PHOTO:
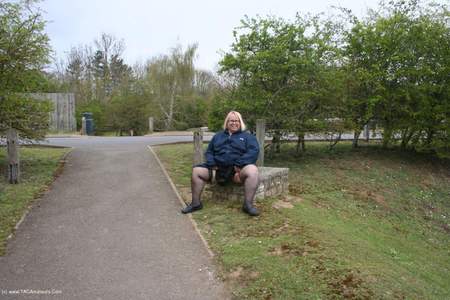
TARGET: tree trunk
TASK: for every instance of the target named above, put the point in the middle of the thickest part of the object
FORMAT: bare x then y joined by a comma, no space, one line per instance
12,140
430,136
260,136
275,146
332,144
387,136
406,137
300,142
356,138
171,107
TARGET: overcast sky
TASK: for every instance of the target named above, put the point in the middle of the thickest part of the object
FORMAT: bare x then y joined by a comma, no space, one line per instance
150,27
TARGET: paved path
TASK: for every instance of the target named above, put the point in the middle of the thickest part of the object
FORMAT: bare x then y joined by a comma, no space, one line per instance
109,228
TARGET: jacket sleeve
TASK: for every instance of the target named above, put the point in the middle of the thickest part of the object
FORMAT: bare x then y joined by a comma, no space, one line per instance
209,154
251,154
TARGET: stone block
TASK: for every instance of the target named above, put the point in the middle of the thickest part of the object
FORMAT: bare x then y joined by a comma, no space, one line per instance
272,182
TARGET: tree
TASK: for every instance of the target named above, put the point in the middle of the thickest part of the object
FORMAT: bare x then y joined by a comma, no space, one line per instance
107,66
128,112
170,81
77,74
281,71
398,66
97,74
362,87
24,51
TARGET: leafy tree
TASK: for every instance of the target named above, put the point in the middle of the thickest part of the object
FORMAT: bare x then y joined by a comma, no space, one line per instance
97,75
24,51
362,87
128,112
281,71
398,66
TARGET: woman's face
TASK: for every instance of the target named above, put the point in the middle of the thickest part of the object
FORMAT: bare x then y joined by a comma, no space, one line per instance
233,124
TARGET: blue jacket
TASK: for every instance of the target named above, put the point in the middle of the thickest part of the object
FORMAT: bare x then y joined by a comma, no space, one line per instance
239,149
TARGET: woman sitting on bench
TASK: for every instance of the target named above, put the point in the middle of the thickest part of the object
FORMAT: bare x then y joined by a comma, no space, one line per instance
231,155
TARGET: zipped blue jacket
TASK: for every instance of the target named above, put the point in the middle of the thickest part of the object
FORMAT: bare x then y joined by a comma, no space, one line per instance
238,149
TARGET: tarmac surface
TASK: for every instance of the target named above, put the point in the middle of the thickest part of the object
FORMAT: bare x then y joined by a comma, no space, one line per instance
110,227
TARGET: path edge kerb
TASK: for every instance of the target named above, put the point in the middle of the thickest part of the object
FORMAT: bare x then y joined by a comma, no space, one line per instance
194,224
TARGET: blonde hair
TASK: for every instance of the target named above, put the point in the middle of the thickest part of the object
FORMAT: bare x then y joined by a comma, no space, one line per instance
238,115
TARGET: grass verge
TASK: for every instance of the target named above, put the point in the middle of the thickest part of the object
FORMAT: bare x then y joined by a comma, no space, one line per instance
361,224
38,169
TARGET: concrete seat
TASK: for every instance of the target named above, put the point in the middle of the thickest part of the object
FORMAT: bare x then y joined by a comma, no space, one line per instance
272,182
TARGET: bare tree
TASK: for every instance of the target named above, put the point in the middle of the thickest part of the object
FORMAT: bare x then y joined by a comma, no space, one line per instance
170,78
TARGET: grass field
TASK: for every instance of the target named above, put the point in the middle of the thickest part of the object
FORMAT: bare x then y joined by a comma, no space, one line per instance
38,167
358,224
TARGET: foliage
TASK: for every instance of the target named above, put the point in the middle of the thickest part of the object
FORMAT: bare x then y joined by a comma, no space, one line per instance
30,117
285,72
24,50
313,74
128,113
98,111
168,87
398,68
170,79
389,69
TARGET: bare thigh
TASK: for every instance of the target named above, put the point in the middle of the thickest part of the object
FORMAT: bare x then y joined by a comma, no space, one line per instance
249,171
200,172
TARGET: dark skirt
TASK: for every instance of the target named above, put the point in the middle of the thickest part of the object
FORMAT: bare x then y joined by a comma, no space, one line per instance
223,175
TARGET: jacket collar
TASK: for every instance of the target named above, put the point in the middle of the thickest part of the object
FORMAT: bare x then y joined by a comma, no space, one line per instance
227,132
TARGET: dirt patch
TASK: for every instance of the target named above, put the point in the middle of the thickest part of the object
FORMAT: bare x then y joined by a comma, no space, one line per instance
313,243
369,196
296,188
379,199
427,182
288,250
283,228
286,229
446,228
294,199
350,285
321,204
235,274
287,202
282,204
241,274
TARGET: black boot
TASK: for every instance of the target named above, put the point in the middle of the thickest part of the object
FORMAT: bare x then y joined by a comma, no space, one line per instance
249,209
190,208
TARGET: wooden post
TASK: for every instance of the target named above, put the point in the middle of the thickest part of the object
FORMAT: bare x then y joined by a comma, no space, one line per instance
150,124
83,126
12,141
260,136
198,147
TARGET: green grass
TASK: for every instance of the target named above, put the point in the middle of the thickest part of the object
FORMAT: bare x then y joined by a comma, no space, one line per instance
38,167
366,224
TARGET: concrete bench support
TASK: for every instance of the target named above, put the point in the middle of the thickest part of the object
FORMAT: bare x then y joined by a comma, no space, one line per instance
272,182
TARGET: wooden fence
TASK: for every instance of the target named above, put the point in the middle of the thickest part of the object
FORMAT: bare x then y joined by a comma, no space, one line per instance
63,116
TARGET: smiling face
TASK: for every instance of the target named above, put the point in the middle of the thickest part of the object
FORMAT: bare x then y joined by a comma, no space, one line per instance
233,123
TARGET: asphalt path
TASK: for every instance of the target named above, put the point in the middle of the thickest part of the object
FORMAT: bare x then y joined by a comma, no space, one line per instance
110,227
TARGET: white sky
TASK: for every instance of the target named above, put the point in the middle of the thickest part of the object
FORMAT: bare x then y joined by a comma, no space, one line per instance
152,27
